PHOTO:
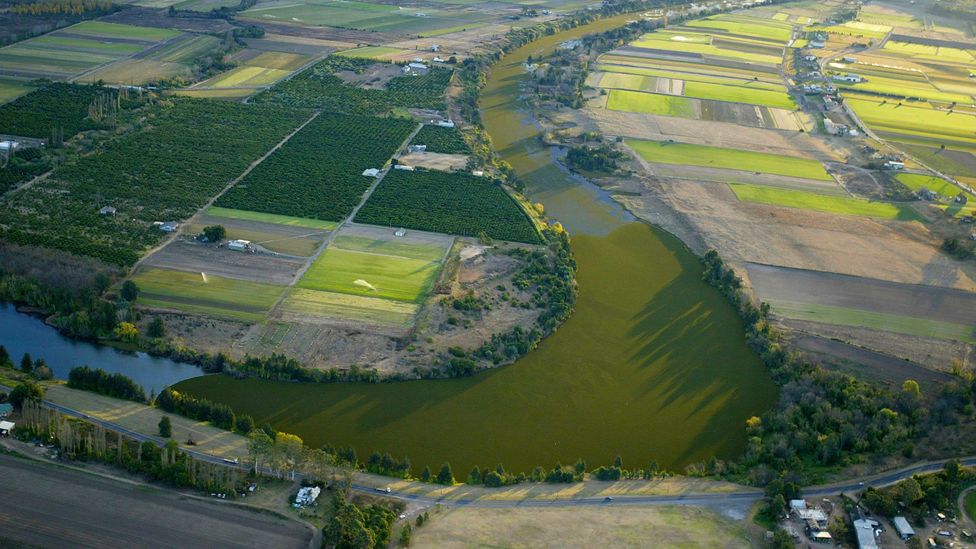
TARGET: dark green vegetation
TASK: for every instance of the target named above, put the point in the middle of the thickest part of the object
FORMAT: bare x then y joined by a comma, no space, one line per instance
318,173
319,87
921,496
183,155
451,203
441,140
220,415
593,159
101,382
23,165
671,398
362,526
57,108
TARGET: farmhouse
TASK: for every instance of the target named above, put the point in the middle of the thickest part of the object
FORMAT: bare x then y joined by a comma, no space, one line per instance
6,427
307,496
167,226
445,123
7,146
904,529
894,165
416,148
850,78
864,529
403,167
400,232
239,244
107,210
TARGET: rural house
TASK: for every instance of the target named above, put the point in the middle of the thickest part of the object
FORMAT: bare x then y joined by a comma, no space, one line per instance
107,210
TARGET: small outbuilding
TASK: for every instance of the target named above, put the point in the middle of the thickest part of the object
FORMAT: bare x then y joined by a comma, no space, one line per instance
107,210
371,172
400,232
904,529
239,244
404,167
6,427
169,226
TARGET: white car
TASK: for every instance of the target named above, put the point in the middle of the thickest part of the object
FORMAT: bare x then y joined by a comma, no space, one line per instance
384,490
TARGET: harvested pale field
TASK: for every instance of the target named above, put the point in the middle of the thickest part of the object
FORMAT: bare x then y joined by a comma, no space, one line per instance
435,161
321,344
745,232
192,257
611,526
283,239
320,307
715,175
720,134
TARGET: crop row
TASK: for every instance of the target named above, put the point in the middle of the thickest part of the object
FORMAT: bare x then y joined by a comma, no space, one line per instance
318,173
319,88
441,140
451,203
58,106
185,153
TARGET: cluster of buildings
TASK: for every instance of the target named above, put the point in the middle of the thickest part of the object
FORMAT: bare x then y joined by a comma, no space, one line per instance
814,520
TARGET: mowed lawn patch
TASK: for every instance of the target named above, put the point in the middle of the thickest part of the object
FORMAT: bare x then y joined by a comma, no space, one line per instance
844,316
651,103
790,198
730,159
310,303
371,275
217,296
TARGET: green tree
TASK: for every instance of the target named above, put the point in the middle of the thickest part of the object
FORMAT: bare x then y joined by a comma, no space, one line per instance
259,446
782,540
405,536
129,291
445,476
165,427
245,424
156,328
5,361
580,467
618,462
214,233
126,331
475,476
26,364
27,390
425,474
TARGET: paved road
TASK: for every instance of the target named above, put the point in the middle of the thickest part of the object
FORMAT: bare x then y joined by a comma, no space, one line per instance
747,496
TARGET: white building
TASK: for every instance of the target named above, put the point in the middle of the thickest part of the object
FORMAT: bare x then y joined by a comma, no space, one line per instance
904,529
371,172
239,244
6,427
866,538
403,167
307,496
445,123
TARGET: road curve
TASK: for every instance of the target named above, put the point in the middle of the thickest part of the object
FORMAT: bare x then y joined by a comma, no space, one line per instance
690,498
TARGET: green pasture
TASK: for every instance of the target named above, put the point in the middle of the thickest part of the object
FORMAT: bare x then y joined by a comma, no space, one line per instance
271,218
137,71
393,277
217,93
740,94
362,16
411,250
913,118
940,54
218,297
754,72
183,51
769,30
730,159
688,73
970,504
905,88
627,81
116,30
71,43
370,52
449,30
843,316
790,198
246,76
24,56
11,89
917,182
300,245
279,60
664,42
856,28
652,103
310,303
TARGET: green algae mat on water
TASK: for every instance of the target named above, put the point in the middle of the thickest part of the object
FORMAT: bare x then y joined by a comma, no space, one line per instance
652,366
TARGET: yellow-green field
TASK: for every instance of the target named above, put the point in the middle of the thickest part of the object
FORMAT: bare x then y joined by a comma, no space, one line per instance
917,182
730,159
371,274
914,119
219,297
271,218
11,89
246,76
791,198
652,103
217,93
279,60
312,303
371,52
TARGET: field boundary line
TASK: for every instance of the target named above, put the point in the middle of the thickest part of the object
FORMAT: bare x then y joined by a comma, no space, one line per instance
166,241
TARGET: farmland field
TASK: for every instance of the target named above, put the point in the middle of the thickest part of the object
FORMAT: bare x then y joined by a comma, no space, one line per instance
732,159
11,89
921,327
917,182
411,250
271,218
174,60
914,120
441,140
739,94
391,277
245,76
210,142
370,52
364,16
308,304
652,103
289,237
219,296
449,203
102,29
822,203
318,173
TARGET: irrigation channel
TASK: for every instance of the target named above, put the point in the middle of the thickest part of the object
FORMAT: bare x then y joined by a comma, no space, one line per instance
652,366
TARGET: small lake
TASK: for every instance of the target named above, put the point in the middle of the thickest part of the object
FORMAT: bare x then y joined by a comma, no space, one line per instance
22,333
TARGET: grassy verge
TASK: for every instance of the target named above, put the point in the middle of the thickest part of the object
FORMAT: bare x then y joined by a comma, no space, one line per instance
970,504
790,198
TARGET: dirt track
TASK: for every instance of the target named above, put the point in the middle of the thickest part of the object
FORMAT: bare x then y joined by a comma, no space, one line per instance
53,507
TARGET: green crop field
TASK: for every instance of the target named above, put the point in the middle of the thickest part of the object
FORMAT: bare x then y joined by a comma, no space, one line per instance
311,303
917,182
970,504
82,44
652,103
11,89
909,86
245,76
271,218
730,159
279,60
770,30
379,275
410,250
449,203
822,203
844,316
665,42
740,94
115,30
914,119
217,93
857,28
624,81
217,296
371,52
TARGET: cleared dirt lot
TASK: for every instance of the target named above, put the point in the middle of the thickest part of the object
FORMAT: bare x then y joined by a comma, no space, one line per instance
435,161
191,257
102,513
583,527
944,304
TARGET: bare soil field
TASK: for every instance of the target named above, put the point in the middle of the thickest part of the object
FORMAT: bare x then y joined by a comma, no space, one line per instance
284,239
187,256
375,77
348,36
103,513
150,17
324,343
719,175
435,161
269,43
719,134
584,527
773,283
209,335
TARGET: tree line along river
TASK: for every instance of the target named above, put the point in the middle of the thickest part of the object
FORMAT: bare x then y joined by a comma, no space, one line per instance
652,366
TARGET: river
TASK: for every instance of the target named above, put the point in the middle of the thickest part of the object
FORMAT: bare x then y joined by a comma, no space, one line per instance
21,333
652,366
